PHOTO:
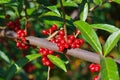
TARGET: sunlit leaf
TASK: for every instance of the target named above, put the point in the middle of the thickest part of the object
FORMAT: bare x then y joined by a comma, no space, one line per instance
58,62
98,2
109,70
54,9
111,42
83,15
4,56
19,64
106,27
89,34
4,1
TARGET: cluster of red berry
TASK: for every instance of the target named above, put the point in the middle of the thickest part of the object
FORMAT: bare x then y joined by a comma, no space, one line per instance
14,25
21,43
94,68
45,60
60,39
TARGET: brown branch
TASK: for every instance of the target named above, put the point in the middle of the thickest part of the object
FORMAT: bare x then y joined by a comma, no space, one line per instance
78,53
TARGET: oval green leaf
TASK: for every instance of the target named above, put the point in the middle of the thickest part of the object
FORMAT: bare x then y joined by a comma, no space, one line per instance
4,56
106,27
83,15
89,34
111,42
4,1
98,2
109,70
58,62
54,9
19,64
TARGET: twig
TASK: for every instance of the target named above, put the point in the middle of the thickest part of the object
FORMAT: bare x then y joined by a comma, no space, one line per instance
64,20
52,35
48,74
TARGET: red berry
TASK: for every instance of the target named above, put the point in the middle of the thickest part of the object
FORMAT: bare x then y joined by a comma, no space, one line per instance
41,50
50,52
54,27
71,37
45,32
61,32
10,24
44,59
96,77
50,30
81,41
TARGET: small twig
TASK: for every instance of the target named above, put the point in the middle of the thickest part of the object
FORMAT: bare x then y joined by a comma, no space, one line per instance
26,19
52,35
48,74
64,20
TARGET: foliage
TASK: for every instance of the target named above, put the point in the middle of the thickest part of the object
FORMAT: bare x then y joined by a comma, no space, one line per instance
98,21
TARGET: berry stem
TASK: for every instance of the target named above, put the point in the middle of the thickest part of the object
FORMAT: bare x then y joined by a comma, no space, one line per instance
48,74
64,20
52,35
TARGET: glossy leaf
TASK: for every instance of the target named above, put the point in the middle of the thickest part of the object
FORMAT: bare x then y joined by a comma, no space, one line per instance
4,57
19,64
58,62
54,9
106,27
68,4
89,34
98,2
83,15
109,70
4,1
111,42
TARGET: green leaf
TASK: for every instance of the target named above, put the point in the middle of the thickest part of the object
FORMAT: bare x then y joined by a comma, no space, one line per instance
68,4
4,1
54,9
106,27
83,15
4,57
89,34
117,1
19,64
111,42
58,62
98,2
109,70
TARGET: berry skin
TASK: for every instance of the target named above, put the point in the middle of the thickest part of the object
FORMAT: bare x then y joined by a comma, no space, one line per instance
61,32
94,67
95,77
45,32
21,33
78,31
54,27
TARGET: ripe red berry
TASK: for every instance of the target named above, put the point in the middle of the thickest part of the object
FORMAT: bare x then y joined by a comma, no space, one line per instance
61,32
45,32
50,30
94,67
54,27
95,77
21,33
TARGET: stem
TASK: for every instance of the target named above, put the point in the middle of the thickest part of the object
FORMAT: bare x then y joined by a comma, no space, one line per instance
26,19
52,35
64,20
48,74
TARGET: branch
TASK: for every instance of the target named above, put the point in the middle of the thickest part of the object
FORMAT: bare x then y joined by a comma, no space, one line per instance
78,53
